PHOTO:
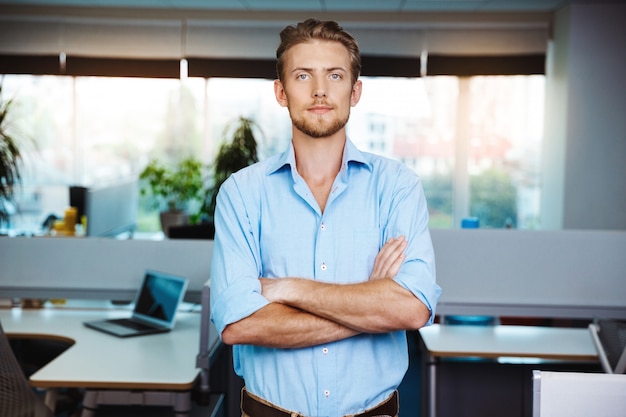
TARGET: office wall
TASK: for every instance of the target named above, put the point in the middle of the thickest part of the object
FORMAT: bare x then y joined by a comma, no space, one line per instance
585,141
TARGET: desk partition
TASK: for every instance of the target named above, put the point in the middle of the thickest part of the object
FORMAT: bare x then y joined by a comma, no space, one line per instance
573,274
97,268
566,273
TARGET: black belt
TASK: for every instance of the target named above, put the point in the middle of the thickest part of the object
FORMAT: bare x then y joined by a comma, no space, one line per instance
254,408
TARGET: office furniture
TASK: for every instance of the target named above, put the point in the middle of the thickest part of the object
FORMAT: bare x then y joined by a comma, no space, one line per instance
203,362
574,274
497,342
97,268
482,272
112,210
216,369
576,394
153,370
609,338
17,398
109,210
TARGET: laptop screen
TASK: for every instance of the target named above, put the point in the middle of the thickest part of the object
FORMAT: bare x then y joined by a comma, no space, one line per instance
159,297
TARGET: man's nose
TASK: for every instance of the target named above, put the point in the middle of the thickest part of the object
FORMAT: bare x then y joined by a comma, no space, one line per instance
319,90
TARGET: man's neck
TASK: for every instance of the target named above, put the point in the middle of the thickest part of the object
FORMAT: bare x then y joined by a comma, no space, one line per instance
318,161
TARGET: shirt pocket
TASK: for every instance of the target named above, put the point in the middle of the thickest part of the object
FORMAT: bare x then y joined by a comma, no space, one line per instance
365,247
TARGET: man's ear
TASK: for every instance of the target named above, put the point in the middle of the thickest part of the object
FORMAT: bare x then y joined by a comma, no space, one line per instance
279,92
357,88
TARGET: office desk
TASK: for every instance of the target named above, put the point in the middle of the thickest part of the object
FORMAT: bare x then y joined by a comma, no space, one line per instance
495,342
160,369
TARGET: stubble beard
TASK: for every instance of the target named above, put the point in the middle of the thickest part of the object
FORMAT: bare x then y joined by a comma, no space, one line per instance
321,129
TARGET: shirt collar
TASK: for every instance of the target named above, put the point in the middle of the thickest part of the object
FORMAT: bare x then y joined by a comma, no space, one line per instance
351,154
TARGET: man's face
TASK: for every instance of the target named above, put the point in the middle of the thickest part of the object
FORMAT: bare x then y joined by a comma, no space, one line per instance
317,87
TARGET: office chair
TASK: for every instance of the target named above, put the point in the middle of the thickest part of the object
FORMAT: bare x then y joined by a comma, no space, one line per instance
203,359
17,398
609,338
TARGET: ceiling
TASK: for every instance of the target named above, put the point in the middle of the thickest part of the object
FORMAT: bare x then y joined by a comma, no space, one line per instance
360,6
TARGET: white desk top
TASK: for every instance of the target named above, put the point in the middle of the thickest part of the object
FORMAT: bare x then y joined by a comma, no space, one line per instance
165,361
509,341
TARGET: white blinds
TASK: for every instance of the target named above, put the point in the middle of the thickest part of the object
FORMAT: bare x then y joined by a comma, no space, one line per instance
133,37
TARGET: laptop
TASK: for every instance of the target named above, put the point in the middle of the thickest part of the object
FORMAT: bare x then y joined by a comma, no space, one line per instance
154,310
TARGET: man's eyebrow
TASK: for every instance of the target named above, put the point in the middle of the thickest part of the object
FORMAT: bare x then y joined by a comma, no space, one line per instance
331,69
301,69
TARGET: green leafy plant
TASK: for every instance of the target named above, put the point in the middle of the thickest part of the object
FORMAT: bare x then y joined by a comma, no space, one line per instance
173,187
234,154
11,159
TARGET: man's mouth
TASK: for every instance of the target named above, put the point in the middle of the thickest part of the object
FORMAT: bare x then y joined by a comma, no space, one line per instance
320,109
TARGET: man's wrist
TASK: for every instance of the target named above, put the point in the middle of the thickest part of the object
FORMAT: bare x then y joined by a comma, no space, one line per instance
291,288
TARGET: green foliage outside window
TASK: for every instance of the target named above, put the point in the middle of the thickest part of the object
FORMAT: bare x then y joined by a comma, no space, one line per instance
493,199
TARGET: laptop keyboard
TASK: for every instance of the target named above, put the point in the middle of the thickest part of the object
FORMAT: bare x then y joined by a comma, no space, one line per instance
132,324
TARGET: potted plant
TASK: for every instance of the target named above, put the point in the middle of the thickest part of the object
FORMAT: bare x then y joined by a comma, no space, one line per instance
10,161
237,152
173,189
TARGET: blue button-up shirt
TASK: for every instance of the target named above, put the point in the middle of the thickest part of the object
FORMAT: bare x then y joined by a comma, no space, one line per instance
268,224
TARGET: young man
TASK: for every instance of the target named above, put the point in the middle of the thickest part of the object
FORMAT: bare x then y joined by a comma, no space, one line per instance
322,255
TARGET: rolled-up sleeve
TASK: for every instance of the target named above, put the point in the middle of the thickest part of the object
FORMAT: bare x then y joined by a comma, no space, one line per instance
409,217
235,266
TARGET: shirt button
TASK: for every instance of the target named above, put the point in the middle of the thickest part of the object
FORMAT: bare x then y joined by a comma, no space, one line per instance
323,267
326,393
325,350
323,226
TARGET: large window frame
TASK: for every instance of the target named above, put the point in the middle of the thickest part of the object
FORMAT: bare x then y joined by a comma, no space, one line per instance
462,66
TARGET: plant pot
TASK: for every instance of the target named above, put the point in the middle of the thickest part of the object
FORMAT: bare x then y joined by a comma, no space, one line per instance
172,218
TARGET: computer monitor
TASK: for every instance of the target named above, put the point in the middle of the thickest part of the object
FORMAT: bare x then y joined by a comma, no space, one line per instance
112,210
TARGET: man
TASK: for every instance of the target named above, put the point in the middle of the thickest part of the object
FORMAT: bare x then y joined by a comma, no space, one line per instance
322,256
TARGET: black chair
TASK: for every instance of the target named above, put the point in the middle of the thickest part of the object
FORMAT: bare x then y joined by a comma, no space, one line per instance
609,338
17,398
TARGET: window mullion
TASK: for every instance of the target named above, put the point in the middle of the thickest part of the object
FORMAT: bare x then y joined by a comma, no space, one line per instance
461,196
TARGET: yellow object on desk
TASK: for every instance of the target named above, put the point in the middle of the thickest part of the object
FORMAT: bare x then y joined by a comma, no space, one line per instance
67,226
71,216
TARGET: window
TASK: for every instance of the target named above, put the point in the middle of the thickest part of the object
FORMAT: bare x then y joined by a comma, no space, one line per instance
474,141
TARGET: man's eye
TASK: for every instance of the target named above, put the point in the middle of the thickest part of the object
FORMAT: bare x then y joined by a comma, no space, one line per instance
302,76
335,76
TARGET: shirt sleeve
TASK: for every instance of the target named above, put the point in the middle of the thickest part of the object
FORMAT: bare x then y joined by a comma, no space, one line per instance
408,216
235,265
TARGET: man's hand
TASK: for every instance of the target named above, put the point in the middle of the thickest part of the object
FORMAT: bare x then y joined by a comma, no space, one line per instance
389,259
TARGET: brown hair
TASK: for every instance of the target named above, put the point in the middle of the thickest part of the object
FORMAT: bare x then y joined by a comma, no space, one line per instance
322,30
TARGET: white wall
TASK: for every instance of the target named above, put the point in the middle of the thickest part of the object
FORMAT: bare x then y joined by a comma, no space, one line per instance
585,143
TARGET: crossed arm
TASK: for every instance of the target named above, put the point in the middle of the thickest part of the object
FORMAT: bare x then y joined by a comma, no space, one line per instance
304,312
